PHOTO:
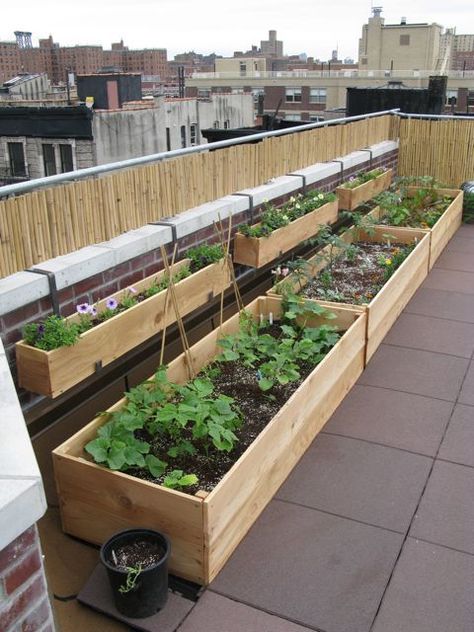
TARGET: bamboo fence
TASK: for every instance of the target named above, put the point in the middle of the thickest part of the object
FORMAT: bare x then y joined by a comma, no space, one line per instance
50,222
442,148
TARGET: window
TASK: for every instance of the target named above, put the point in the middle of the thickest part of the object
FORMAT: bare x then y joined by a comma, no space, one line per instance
16,156
315,119
243,68
168,139
256,92
193,134
293,95
404,40
227,124
317,95
292,117
216,125
65,154
204,93
49,160
451,97
183,136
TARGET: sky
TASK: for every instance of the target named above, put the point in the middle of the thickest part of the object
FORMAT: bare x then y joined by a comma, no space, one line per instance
205,26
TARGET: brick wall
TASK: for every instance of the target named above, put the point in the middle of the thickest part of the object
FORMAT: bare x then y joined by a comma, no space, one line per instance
121,276
24,602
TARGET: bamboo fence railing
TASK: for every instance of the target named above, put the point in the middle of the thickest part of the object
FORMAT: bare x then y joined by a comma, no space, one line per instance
49,222
442,148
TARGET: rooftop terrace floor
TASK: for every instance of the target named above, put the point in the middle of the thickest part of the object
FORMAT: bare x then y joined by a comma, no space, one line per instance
373,530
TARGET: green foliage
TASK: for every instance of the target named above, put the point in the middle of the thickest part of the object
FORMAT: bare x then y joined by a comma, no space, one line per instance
362,178
394,261
177,479
55,332
468,208
421,210
273,218
51,333
187,419
277,359
162,422
133,572
203,255
331,245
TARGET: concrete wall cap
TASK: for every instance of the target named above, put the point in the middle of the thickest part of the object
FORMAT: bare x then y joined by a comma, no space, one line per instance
205,215
79,265
14,289
22,499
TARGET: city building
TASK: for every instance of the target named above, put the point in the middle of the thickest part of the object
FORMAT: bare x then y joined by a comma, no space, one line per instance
43,141
398,46
26,87
58,61
272,47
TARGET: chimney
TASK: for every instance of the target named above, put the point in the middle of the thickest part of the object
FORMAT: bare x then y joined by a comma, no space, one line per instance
403,20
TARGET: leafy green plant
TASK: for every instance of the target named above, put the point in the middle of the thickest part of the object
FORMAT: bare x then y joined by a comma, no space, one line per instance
421,210
362,178
203,255
273,218
331,245
177,479
468,208
133,573
277,359
183,420
51,333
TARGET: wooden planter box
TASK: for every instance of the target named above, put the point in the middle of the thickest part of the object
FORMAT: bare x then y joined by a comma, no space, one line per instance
386,306
258,251
205,528
53,372
349,199
445,227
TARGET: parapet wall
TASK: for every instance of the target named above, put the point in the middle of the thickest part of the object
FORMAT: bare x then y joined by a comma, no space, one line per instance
94,272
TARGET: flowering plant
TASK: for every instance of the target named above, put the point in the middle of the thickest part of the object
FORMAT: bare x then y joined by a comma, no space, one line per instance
362,178
274,218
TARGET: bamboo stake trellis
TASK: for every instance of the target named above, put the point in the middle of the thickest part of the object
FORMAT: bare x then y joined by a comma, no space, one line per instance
41,225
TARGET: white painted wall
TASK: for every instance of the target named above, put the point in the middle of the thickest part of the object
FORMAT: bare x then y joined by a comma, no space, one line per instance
123,134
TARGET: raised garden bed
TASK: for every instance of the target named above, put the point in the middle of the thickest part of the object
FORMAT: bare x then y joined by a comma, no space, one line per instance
444,228
52,372
258,251
384,308
205,528
351,198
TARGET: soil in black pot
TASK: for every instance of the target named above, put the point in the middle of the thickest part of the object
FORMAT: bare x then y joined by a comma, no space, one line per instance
141,553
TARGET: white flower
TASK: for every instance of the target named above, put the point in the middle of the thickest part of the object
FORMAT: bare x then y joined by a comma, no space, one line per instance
320,196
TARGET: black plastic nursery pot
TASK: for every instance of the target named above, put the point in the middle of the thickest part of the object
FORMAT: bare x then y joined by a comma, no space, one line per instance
141,590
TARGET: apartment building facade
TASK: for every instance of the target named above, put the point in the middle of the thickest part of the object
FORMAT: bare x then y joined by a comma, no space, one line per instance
400,46
57,61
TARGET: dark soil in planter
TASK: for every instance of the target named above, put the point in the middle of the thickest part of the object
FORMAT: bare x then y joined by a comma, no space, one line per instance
139,552
257,407
354,280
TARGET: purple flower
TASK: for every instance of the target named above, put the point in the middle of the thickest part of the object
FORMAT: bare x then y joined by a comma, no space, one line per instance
41,329
111,303
83,308
93,311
